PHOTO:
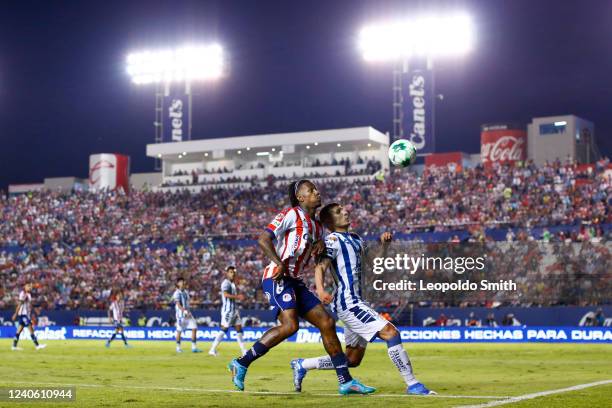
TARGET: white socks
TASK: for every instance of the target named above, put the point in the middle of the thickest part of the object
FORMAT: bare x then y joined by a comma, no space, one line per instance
318,363
217,340
240,342
400,359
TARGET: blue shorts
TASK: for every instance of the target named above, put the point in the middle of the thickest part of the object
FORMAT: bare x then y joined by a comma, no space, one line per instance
23,320
289,293
117,324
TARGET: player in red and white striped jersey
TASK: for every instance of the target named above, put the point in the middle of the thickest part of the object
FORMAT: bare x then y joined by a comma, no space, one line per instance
298,236
115,315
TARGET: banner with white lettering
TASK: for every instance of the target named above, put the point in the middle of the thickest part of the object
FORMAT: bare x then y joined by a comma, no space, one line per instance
312,335
176,116
418,109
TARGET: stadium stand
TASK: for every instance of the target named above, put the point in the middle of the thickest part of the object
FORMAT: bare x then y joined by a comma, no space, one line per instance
70,244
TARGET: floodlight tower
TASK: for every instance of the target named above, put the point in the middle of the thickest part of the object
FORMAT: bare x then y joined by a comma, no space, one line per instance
427,37
183,65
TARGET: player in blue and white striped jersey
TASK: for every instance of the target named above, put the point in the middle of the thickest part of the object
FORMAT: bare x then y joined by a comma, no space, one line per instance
362,324
184,318
229,311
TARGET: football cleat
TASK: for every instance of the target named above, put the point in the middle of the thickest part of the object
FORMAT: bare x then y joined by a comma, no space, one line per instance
107,344
178,350
127,345
419,389
355,387
238,373
16,348
41,346
213,353
299,373
196,350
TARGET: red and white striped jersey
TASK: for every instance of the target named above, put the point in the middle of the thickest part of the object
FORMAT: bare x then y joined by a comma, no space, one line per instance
25,300
294,232
117,307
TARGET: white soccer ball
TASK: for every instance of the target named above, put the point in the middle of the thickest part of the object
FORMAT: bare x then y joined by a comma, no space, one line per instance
402,153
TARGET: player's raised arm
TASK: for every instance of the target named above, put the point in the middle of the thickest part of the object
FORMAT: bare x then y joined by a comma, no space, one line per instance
320,269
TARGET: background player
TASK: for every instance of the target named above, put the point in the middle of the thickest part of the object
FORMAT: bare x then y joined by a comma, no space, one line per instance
184,318
362,324
22,315
297,233
229,311
115,315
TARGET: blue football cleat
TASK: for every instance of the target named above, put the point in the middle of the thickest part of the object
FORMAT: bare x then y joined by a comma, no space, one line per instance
419,389
127,345
238,373
196,350
355,387
107,344
299,373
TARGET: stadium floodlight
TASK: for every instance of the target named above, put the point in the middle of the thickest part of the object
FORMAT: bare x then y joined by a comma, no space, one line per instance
183,64
427,36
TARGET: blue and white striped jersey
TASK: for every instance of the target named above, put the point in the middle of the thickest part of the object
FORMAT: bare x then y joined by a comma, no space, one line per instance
180,297
228,305
345,250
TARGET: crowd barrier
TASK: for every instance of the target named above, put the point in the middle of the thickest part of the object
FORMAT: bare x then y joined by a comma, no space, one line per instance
418,317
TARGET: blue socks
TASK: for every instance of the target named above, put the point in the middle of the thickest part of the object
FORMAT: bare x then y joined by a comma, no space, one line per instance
341,366
258,350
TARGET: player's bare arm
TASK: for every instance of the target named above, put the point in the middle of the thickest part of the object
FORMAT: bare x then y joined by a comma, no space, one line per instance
238,296
267,246
320,270
317,248
19,303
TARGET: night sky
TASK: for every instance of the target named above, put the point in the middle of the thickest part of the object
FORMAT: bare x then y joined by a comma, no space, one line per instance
294,66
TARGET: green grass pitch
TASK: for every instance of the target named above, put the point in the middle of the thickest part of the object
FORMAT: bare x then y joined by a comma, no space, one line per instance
151,374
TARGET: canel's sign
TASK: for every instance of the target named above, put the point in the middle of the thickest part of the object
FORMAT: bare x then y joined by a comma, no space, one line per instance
418,108
176,116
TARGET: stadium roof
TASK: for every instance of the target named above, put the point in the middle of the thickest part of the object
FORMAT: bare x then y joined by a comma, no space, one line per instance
327,141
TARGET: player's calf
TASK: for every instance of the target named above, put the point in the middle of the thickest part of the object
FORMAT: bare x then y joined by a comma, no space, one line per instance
399,358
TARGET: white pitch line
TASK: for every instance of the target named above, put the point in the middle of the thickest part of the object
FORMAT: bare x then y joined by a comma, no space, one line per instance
519,398
213,391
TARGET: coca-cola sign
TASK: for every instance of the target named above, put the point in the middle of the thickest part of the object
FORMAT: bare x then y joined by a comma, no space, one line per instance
503,146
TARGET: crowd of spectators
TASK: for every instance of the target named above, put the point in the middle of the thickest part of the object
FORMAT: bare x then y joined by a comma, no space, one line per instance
69,278
75,247
371,167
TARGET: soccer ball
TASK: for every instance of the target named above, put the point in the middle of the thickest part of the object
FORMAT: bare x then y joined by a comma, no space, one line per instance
402,153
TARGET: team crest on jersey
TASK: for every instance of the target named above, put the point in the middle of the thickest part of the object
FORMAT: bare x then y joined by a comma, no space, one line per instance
287,297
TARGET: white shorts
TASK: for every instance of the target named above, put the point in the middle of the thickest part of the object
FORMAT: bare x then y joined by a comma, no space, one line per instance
186,323
361,324
231,318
